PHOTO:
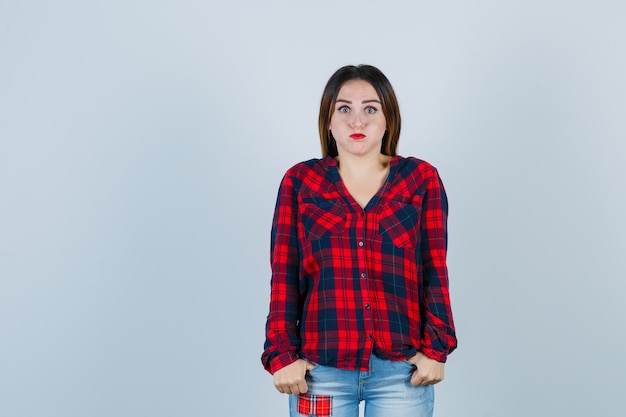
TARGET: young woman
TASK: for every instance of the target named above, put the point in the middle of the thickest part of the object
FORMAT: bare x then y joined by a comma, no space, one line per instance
359,307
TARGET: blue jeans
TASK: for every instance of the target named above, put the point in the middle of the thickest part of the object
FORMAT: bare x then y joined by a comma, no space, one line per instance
386,390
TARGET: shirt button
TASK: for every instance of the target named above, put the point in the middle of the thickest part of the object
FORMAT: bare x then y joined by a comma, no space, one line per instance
361,243
369,336
363,275
367,306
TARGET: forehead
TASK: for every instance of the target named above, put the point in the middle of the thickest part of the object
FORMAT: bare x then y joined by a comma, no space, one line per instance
357,89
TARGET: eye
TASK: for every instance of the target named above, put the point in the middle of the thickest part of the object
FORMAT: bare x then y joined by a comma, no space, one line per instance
370,110
343,109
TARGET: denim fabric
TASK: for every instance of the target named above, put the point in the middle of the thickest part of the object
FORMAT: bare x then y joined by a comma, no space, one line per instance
386,390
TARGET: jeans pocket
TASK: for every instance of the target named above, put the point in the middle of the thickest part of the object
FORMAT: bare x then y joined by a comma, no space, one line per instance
315,365
408,362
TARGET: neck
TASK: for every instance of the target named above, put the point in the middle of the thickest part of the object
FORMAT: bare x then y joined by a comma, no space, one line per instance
359,166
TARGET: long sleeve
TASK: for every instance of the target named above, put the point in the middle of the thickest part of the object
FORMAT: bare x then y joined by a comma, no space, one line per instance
438,337
282,328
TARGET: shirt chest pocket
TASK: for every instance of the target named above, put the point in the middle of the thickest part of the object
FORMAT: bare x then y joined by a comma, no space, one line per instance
400,223
321,217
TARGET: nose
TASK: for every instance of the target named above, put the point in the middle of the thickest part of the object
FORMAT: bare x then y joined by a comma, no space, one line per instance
356,121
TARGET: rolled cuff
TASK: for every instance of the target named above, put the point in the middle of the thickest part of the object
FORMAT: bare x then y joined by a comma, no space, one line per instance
280,361
434,354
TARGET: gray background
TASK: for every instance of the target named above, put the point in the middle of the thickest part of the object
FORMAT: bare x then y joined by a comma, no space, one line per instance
141,147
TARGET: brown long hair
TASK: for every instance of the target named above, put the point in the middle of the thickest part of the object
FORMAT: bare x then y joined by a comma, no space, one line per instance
385,92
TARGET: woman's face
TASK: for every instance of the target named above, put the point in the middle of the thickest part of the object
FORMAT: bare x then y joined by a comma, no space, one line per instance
358,123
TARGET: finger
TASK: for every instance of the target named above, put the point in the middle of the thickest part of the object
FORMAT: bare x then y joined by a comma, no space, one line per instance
422,379
285,388
297,389
416,378
302,387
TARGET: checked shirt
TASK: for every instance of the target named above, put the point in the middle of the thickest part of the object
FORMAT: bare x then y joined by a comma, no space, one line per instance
347,281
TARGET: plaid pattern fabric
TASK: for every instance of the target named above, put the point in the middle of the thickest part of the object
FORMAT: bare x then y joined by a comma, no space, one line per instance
315,405
347,280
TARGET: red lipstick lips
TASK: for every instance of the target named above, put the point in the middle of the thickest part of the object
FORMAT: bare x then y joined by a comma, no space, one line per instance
357,136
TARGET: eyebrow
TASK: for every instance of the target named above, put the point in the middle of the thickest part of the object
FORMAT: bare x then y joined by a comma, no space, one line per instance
363,102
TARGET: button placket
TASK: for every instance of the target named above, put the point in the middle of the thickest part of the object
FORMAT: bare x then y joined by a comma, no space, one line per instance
362,234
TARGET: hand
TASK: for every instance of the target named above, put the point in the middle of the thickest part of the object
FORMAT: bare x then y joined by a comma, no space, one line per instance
290,379
428,371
